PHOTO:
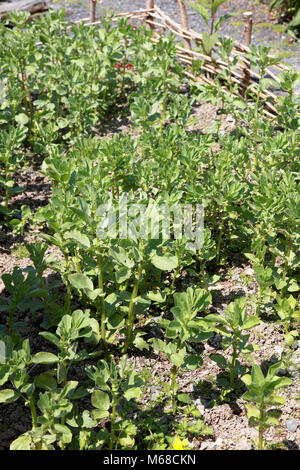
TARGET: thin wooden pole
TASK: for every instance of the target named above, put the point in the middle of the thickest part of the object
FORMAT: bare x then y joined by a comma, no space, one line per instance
248,20
93,10
184,21
149,6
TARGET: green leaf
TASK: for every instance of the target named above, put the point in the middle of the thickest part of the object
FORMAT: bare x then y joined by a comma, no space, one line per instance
100,400
8,396
44,358
165,263
81,281
4,374
250,322
22,119
21,443
209,41
184,398
257,376
193,362
133,392
178,358
50,337
159,345
122,275
78,237
63,433
140,343
296,19
200,9
220,360
45,381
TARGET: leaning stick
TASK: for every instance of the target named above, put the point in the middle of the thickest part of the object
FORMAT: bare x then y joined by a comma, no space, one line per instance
184,20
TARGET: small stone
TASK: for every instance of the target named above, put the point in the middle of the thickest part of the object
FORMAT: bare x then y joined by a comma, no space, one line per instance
156,391
292,425
274,359
295,344
278,350
236,277
243,444
200,406
282,372
219,442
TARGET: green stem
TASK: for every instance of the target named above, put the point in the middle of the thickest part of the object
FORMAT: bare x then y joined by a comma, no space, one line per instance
112,430
6,187
67,306
172,284
219,241
286,265
163,112
131,315
232,365
174,374
261,429
33,413
101,305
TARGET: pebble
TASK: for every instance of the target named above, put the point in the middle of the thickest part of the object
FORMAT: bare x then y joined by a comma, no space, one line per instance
156,391
282,372
243,444
200,407
273,359
292,425
278,350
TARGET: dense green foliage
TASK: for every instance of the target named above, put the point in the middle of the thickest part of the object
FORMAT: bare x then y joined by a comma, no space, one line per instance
61,88
290,8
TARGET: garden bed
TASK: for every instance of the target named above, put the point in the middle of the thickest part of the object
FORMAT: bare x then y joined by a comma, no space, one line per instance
84,129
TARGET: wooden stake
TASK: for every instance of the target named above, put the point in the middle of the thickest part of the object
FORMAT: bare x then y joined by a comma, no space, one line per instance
149,6
93,10
184,20
248,18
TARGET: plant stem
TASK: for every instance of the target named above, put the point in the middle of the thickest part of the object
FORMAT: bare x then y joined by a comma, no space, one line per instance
163,111
232,365
174,374
172,284
131,317
112,430
67,306
261,429
33,413
286,264
219,241
101,305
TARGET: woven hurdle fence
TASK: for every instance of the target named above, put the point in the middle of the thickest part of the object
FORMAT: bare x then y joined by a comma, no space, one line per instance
189,40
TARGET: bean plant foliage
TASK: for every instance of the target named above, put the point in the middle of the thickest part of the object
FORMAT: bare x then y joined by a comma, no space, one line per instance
69,340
